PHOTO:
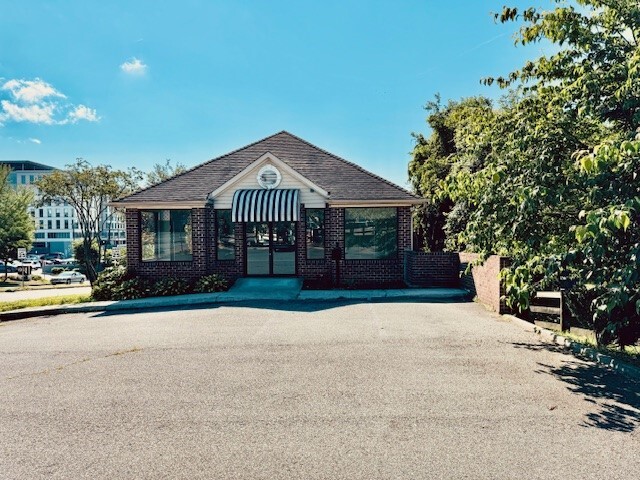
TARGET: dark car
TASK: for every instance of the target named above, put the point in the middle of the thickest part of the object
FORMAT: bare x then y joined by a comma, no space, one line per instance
7,269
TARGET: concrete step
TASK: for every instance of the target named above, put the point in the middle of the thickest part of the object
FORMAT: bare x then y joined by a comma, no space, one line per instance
267,287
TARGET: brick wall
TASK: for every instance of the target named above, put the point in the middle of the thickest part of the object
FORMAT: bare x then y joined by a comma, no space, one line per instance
484,280
375,272
195,268
432,269
353,272
229,269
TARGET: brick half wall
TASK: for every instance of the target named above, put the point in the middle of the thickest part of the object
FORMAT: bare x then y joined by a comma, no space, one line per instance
432,269
484,279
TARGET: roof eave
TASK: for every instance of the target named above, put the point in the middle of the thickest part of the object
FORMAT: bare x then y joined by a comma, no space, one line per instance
155,205
376,203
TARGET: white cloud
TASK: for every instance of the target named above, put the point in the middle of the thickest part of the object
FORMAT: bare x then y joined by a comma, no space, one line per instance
36,101
31,91
28,113
82,112
134,67
35,140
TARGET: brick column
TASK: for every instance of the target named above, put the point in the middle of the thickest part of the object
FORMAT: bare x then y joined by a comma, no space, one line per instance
132,219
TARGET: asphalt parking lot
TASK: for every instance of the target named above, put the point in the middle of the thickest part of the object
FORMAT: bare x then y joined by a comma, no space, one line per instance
307,390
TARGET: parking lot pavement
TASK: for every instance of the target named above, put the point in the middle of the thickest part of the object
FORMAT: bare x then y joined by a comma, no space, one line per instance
307,390
85,289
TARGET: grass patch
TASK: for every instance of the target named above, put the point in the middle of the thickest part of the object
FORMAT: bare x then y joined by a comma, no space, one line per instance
43,302
630,354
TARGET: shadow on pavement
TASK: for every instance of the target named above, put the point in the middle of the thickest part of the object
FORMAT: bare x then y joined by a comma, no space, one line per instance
616,396
280,305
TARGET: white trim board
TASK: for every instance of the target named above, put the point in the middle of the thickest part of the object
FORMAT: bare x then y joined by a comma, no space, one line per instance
268,158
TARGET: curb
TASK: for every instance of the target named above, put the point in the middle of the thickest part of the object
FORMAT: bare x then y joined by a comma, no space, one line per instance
579,348
204,299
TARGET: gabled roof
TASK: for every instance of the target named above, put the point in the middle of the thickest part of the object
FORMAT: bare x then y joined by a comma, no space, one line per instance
345,181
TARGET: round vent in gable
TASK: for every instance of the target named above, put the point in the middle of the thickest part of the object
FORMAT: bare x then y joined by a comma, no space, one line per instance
269,177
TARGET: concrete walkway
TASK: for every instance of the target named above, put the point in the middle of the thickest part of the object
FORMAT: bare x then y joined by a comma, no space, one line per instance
243,294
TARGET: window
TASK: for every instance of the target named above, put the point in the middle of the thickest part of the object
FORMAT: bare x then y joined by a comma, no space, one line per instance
41,224
66,212
49,224
58,235
41,212
315,233
66,224
39,235
57,213
166,235
370,233
226,241
58,224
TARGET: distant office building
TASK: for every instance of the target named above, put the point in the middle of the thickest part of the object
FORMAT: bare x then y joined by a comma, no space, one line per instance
56,223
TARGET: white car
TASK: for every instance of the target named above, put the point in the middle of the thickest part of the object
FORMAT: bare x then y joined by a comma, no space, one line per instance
34,264
66,261
68,278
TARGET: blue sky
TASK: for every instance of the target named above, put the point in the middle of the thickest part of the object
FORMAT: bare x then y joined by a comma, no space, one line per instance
132,83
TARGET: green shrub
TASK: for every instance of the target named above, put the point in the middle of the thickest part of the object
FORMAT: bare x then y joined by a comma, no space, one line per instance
169,286
57,270
115,283
36,277
132,289
210,283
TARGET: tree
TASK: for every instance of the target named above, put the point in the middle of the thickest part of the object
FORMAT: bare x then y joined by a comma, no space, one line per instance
595,75
161,172
559,191
16,225
595,72
455,144
89,190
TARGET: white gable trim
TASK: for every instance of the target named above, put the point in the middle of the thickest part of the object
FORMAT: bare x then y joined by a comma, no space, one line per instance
268,158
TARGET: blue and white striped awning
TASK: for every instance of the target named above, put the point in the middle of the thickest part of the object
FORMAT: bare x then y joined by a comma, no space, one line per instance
261,205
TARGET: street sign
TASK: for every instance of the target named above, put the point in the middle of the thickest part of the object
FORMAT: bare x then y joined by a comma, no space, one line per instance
22,253
115,252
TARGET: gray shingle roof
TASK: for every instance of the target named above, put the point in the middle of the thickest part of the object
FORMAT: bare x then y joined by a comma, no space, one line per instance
344,180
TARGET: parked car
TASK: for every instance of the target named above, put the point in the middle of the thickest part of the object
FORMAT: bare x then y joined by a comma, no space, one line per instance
34,264
65,261
69,278
54,256
7,269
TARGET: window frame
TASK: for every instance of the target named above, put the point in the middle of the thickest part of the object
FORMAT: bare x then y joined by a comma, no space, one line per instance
171,232
324,234
217,235
391,258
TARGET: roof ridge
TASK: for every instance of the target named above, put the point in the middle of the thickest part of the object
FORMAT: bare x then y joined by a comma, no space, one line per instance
203,164
388,182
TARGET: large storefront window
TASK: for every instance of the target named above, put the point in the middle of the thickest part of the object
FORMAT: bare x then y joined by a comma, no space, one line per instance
166,235
370,233
315,233
226,238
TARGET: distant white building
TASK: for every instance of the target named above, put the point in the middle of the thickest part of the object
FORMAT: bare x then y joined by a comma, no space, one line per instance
56,223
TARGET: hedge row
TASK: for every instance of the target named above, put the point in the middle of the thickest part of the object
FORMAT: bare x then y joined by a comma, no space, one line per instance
115,283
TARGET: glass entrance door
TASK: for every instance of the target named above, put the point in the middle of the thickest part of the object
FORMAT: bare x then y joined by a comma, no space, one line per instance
271,248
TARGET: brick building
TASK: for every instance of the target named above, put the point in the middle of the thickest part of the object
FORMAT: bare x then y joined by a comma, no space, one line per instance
277,207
